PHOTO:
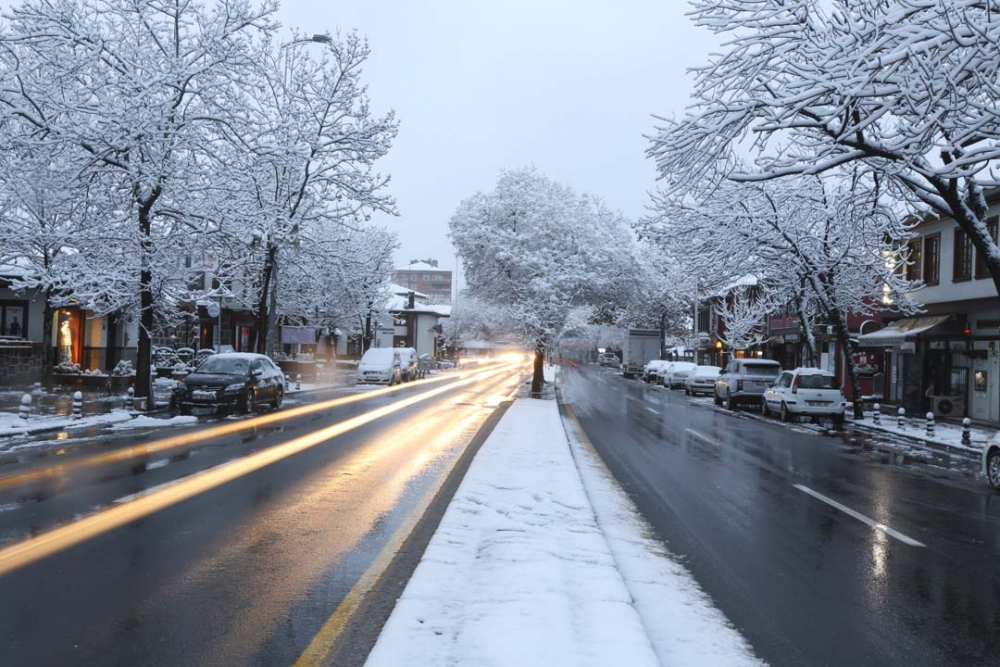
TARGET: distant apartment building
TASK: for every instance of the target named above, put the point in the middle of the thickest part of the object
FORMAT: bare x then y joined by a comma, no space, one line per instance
425,276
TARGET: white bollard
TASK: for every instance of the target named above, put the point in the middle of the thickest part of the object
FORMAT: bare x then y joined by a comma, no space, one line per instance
930,424
77,405
877,414
901,418
25,409
966,431
130,399
288,381
36,389
298,382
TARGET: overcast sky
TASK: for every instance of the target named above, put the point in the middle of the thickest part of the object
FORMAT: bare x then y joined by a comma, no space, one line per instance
567,86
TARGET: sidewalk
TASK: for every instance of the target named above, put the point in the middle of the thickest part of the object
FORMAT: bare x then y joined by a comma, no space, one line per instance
541,559
946,435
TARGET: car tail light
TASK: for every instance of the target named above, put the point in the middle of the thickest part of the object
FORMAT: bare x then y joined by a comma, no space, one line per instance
739,385
795,385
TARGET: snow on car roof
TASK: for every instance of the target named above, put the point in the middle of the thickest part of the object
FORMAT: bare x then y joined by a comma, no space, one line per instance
811,371
239,355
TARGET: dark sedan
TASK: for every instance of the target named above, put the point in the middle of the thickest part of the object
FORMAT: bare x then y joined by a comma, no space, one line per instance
232,380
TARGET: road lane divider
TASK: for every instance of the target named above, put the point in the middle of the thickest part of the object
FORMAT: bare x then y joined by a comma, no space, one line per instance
64,537
185,439
881,527
703,438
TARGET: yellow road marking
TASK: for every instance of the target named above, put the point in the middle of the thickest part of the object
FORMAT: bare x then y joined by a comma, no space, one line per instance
321,645
64,537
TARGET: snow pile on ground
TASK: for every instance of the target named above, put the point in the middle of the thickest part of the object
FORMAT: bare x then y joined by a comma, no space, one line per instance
152,422
520,571
949,435
12,424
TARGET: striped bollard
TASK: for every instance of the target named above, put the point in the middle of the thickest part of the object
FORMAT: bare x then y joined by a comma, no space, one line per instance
24,410
930,424
77,405
298,382
877,414
966,431
288,381
36,389
901,418
130,399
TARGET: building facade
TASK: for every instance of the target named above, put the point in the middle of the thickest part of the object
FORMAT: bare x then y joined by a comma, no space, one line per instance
947,360
426,277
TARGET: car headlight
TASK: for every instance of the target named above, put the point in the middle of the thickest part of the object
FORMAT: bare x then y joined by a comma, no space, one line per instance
235,387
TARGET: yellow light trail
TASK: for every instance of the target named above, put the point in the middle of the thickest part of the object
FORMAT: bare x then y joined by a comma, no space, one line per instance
64,537
174,442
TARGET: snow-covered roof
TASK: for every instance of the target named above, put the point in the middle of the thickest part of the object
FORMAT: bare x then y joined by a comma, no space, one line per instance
745,281
403,291
17,268
420,266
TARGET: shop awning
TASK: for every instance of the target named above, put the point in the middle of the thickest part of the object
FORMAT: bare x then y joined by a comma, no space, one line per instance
900,331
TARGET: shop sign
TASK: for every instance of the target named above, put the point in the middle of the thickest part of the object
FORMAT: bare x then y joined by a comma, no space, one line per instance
908,346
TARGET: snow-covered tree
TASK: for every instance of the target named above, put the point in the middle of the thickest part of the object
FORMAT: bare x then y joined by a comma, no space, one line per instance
308,175
744,310
823,249
134,94
906,89
539,249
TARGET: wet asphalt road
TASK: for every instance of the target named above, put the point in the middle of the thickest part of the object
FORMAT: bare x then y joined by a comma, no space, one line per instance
245,573
806,583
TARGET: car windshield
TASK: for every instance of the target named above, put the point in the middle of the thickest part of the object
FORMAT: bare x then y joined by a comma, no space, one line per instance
767,370
225,365
817,382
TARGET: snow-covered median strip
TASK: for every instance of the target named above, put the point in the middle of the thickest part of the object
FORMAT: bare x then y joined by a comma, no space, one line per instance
12,424
534,565
143,421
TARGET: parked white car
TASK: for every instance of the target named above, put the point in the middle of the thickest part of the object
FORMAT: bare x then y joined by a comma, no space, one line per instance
653,370
991,461
744,381
676,373
805,392
701,380
380,365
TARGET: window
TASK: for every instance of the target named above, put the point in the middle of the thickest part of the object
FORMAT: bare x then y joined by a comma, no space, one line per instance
14,319
962,261
981,270
914,259
932,259
427,277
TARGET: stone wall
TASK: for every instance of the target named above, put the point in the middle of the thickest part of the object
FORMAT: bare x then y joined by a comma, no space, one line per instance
20,364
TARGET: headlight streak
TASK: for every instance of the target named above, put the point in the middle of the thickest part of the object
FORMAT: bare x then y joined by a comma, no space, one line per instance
64,537
228,428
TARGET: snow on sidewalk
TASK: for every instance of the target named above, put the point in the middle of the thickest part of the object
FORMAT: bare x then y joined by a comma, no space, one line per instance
945,434
521,571
12,424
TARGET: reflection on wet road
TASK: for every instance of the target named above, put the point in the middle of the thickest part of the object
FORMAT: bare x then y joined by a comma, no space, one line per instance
821,549
241,572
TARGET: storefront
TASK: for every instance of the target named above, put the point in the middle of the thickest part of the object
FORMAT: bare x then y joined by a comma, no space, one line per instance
69,335
929,362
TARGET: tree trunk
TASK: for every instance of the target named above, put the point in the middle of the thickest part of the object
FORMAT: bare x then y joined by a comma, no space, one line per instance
850,349
366,342
263,301
143,355
663,335
538,378
48,359
808,336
